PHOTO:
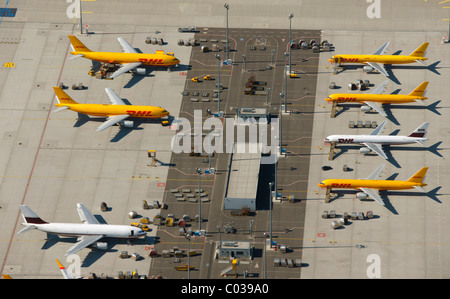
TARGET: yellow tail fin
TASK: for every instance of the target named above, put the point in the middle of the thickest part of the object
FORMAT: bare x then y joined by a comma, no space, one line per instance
419,176
419,90
77,45
420,51
63,98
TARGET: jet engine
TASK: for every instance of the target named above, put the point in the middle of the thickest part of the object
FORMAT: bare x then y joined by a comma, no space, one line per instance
364,150
367,69
139,71
99,245
365,108
127,123
361,195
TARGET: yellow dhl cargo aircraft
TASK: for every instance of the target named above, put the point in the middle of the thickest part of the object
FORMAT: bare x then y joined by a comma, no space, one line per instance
371,184
375,98
378,58
129,60
115,113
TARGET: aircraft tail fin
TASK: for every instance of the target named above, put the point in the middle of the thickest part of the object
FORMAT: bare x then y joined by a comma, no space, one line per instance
419,176
66,274
77,45
30,217
421,131
420,51
419,91
62,97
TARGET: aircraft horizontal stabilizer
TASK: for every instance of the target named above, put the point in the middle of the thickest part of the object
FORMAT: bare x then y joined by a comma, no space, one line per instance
420,101
421,142
421,61
27,228
76,56
60,109
420,189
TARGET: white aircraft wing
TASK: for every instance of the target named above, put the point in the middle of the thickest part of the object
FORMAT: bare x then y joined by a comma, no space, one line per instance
379,129
113,97
382,50
125,68
112,121
376,148
376,107
85,215
378,67
373,194
376,173
83,242
126,47
380,88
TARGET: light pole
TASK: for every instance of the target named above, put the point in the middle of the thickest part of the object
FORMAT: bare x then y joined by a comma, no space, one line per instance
81,19
270,203
220,239
265,259
281,121
227,6
290,40
218,84
199,171
188,237
285,79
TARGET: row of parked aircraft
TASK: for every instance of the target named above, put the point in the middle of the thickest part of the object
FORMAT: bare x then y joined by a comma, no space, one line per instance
90,231
371,185
118,112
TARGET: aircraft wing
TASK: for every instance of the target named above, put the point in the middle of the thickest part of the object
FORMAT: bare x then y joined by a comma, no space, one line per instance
126,47
113,97
376,107
85,215
378,67
125,68
380,88
112,121
382,50
376,148
83,242
376,173
373,194
379,129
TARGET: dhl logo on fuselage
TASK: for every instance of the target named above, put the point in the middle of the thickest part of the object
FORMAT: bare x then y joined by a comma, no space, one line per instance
343,140
336,185
346,99
349,59
138,113
151,61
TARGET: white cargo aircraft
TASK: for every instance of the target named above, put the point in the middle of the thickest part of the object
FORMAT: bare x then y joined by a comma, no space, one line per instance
374,141
88,232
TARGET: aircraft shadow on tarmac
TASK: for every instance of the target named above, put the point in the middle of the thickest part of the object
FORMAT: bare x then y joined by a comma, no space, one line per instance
83,119
387,108
388,151
432,194
391,68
